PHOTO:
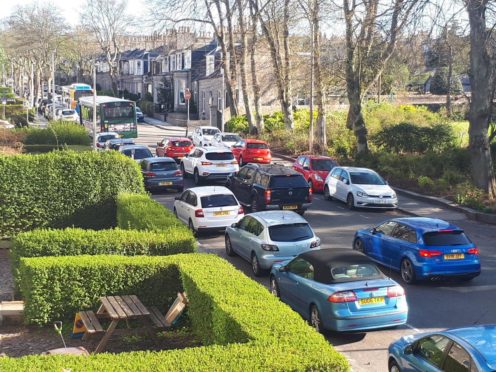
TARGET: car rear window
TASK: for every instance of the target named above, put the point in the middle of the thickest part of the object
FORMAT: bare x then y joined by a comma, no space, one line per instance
210,132
441,238
163,166
68,112
138,153
366,178
323,164
106,137
288,181
230,138
180,143
290,232
218,200
257,146
360,271
219,156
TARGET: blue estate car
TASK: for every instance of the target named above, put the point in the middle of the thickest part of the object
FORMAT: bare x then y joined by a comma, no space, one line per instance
339,289
162,173
420,248
455,350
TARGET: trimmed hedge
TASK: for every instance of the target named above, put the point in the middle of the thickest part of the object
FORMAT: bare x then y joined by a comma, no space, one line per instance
64,188
140,212
58,133
244,326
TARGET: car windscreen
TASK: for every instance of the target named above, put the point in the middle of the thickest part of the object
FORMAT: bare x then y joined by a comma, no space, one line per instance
442,238
361,271
68,112
163,166
210,132
230,138
218,200
366,178
219,156
257,146
323,164
138,153
106,137
290,232
180,143
288,181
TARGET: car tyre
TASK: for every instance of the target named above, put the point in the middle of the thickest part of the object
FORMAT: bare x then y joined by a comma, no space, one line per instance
229,249
393,366
407,271
192,227
175,212
255,265
350,202
274,287
197,177
358,245
185,175
254,204
315,319
327,193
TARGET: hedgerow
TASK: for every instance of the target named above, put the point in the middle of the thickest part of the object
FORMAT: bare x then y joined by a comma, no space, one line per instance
64,188
57,133
244,326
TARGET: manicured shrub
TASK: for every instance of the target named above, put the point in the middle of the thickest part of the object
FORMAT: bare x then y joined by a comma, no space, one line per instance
63,189
237,124
140,212
58,133
244,326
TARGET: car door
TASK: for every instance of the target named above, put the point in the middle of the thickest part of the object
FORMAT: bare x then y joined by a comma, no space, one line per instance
306,169
241,238
245,186
235,183
332,181
180,206
377,239
428,354
343,185
190,207
403,238
292,285
458,359
298,164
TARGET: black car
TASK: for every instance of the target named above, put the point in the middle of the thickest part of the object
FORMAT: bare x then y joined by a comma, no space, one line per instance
271,186
116,143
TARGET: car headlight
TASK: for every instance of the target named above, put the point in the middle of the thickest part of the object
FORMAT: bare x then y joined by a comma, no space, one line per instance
362,194
393,195
318,178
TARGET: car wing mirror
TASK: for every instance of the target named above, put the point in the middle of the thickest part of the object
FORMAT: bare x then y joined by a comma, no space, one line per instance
283,269
408,349
234,225
373,231
177,198
306,168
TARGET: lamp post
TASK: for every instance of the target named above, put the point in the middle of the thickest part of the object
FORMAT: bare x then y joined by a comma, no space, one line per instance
94,105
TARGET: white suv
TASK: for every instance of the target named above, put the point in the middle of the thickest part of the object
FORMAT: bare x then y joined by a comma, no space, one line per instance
203,136
213,163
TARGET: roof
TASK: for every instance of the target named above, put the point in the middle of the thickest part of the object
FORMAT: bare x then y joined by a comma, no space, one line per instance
133,146
254,140
121,140
215,149
481,338
275,169
101,99
177,138
426,224
319,157
271,218
358,169
160,159
208,127
209,190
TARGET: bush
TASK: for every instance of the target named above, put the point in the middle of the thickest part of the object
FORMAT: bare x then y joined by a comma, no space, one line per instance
439,82
147,107
140,212
64,188
274,122
425,183
245,327
58,133
469,195
237,124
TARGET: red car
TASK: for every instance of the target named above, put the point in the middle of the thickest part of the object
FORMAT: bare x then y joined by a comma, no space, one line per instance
315,169
174,147
252,151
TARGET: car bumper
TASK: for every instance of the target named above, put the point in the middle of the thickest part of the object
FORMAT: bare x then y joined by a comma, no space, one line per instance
206,224
360,323
318,186
376,202
301,207
267,260
257,160
452,270
164,183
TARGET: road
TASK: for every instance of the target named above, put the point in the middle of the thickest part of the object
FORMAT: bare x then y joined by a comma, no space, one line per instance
432,305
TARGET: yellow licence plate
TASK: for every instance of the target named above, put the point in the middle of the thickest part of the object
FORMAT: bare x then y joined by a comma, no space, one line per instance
258,158
454,256
289,207
221,165
371,300
221,213
165,183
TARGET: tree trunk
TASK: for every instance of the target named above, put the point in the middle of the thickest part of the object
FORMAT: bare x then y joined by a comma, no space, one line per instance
449,110
254,79
287,106
233,62
321,132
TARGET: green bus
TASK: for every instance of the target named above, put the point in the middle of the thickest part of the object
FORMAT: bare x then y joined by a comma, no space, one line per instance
112,115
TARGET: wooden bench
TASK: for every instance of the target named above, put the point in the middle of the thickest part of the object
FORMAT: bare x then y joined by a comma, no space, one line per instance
91,323
157,318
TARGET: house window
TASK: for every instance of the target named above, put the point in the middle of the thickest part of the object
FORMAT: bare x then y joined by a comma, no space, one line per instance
219,100
187,59
138,67
210,60
166,64
173,63
179,57
203,101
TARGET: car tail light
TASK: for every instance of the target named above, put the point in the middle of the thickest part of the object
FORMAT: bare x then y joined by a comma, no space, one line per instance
178,173
310,193
340,297
241,210
234,162
395,291
473,250
99,144
149,174
427,253
199,213
269,247
206,163
315,243
268,196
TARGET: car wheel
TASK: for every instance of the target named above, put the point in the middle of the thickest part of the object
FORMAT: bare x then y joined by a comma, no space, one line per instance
197,177
327,193
274,287
254,204
185,175
358,245
175,212
407,271
229,249
350,202
315,320
255,265
192,227
393,366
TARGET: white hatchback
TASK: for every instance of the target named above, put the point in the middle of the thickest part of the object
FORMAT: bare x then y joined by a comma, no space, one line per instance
225,139
208,208
203,136
359,187
209,163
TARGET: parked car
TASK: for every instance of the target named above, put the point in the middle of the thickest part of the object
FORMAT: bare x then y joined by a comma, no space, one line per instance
252,151
211,163
114,144
139,115
103,137
162,173
315,169
225,139
69,115
203,136
420,248
208,208
174,147
266,238
359,187
273,186
466,349
339,289
136,152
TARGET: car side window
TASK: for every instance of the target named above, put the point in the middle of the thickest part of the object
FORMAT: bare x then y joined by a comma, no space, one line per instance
386,228
185,196
265,181
243,224
249,175
257,178
255,227
457,360
300,160
198,153
432,349
306,164
344,177
302,268
144,165
242,173
192,199
405,233
336,173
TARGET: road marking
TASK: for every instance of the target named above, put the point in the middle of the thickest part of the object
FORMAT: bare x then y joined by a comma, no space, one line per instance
364,216
413,328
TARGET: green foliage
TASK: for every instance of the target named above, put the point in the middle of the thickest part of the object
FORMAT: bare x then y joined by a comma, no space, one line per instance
467,194
64,188
244,327
237,124
147,107
58,133
439,82
108,93
140,212
425,182
274,122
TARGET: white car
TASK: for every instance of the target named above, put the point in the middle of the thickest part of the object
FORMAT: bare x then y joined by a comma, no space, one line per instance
225,139
69,115
359,187
103,137
212,163
208,207
203,136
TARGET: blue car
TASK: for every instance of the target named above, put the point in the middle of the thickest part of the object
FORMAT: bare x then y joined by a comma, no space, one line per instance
162,173
420,248
339,289
455,350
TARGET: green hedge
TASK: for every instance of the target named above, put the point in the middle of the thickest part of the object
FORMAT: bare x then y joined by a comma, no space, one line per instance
140,212
244,327
63,189
58,133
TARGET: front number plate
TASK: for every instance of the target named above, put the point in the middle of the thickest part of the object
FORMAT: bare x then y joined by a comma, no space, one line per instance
454,256
290,207
371,301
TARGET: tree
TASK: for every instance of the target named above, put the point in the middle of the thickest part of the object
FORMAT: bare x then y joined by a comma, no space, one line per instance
442,83
107,20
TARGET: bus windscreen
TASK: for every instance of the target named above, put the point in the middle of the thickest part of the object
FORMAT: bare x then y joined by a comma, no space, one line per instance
118,111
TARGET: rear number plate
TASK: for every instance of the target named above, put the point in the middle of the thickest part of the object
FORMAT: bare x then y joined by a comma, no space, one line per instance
221,213
290,207
258,158
371,301
454,256
166,183
221,165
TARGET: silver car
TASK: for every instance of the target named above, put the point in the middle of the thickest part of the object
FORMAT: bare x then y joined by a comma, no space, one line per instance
266,238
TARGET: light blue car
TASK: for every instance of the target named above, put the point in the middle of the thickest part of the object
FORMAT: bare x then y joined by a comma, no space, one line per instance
339,289
266,238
